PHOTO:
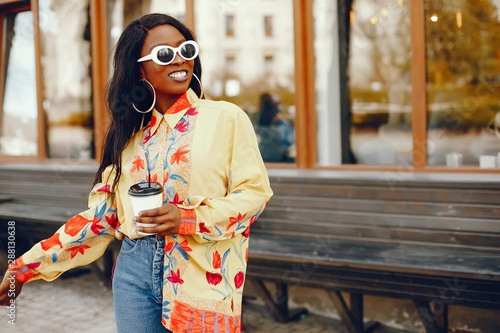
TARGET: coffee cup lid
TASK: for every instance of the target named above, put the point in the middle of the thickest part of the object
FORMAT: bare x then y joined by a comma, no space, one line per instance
144,189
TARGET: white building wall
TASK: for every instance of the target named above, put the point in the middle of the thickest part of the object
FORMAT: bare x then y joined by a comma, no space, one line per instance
249,45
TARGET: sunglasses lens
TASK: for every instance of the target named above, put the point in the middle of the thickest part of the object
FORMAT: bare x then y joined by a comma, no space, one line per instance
188,51
165,55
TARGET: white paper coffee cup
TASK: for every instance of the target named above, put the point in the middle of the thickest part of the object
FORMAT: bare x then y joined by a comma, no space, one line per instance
145,196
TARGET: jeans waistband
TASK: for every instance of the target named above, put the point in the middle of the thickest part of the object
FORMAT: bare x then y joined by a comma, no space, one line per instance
151,239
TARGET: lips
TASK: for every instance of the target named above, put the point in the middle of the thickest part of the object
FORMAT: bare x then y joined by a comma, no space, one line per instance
179,76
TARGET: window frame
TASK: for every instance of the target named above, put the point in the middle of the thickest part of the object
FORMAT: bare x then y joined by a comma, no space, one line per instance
9,7
99,79
419,97
305,99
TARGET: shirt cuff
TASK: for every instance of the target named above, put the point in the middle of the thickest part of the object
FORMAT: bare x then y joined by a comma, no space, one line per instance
188,222
21,271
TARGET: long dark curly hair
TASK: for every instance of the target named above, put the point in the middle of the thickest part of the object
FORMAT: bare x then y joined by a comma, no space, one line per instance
125,88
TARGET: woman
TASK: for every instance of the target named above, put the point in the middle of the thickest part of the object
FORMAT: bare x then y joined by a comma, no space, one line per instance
188,274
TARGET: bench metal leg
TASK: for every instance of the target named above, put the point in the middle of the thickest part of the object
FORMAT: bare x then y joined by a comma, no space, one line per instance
434,321
279,303
441,315
351,317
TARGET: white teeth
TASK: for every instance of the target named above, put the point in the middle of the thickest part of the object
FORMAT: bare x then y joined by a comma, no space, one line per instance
178,75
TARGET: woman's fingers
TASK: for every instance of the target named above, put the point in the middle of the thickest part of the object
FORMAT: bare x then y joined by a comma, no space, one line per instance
163,220
164,209
9,289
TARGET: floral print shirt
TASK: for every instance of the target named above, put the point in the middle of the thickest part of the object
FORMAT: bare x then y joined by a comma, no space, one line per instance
205,154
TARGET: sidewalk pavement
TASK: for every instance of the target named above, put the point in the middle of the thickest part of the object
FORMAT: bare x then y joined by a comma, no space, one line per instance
82,304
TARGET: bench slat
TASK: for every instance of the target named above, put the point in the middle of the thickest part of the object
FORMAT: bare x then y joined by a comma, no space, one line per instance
386,193
423,260
375,234
355,219
388,207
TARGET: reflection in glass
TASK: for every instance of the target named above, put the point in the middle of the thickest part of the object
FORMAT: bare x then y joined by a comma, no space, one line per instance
379,83
268,26
229,25
122,12
66,74
327,83
463,81
18,117
260,75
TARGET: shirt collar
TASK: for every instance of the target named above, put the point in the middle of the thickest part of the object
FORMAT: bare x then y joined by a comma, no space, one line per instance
175,113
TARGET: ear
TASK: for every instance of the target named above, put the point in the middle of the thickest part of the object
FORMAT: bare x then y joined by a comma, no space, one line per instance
143,74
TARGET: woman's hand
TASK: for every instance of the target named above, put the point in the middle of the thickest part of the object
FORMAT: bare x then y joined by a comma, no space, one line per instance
167,217
9,289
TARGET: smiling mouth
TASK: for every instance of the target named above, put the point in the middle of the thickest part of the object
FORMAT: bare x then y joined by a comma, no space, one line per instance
178,75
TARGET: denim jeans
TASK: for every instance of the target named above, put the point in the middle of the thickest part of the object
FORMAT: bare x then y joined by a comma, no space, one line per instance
138,285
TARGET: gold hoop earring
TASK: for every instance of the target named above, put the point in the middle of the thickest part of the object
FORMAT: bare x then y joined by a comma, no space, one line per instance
201,87
154,99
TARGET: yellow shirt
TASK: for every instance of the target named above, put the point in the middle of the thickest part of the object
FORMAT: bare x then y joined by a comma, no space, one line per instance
205,154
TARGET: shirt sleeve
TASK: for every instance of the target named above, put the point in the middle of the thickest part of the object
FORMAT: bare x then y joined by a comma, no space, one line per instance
80,241
215,219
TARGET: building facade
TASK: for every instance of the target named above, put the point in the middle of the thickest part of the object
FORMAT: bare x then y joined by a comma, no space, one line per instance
399,85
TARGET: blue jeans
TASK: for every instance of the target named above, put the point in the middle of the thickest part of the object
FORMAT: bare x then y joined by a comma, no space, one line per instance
138,285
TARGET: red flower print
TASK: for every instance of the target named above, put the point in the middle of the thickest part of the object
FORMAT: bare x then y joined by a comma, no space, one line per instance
169,246
181,104
176,200
96,228
214,278
203,228
235,220
73,226
112,221
185,246
52,241
238,279
153,121
154,179
216,261
182,126
33,265
246,233
74,250
175,278
165,180
252,220
192,112
105,188
137,164
179,155
246,255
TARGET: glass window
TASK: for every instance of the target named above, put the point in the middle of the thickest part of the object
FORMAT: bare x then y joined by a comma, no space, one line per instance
268,63
122,12
266,96
229,25
18,117
463,82
66,76
230,64
373,124
268,26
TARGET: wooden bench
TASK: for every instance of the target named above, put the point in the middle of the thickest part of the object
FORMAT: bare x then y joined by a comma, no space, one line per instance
433,238
40,198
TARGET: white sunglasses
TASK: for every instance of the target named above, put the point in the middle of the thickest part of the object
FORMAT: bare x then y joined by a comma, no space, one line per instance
164,54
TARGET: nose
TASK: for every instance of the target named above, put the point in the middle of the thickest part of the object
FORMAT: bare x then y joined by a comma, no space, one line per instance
178,59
